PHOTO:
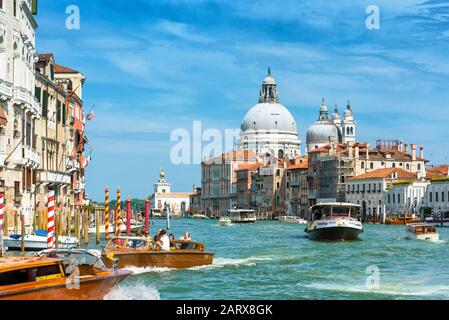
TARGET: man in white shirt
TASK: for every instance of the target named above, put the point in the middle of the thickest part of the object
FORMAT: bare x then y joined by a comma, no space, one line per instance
165,241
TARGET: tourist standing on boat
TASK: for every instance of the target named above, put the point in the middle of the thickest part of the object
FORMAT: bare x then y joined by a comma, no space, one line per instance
165,241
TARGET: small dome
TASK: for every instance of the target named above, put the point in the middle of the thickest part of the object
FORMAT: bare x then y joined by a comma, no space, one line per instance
269,116
269,80
320,131
348,111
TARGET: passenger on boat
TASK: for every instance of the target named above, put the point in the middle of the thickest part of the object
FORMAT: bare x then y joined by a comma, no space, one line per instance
186,237
165,241
172,244
156,244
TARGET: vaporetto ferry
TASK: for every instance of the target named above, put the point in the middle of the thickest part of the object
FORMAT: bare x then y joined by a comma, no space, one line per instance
334,221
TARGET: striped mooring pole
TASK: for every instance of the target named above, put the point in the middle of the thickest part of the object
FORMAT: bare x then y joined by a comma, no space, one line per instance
106,212
128,216
119,215
51,219
2,205
147,216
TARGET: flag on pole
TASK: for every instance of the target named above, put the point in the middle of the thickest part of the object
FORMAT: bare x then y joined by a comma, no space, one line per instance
90,115
86,161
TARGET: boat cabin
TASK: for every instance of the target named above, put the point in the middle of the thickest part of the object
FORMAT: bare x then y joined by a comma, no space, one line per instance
238,215
421,228
333,210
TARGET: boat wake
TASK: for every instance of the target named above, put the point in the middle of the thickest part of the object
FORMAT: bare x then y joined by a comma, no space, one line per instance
224,262
141,270
398,289
133,291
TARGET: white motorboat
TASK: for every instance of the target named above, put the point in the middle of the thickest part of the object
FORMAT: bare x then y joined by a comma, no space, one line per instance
292,220
200,216
242,216
421,231
37,241
334,221
224,222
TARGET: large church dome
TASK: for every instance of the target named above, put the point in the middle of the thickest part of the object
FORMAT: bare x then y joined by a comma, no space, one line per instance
269,127
269,116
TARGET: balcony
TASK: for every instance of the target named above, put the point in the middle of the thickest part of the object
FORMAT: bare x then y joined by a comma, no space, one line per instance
73,165
24,98
5,90
26,156
54,177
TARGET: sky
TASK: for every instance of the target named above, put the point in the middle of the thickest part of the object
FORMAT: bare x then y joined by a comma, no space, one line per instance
153,66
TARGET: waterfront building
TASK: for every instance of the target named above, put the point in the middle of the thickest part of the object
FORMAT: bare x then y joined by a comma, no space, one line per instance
19,110
173,202
370,190
405,197
297,196
219,181
268,189
243,174
195,201
436,198
269,127
332,164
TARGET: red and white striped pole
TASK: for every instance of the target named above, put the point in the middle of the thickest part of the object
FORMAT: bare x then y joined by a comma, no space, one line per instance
2,205
51,219
128,216
106,213
147,216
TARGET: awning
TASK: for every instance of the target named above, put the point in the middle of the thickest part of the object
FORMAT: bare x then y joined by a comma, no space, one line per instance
3,119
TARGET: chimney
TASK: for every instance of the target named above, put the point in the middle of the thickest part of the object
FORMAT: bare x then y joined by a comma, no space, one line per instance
413,146
401,146
405,148
421,152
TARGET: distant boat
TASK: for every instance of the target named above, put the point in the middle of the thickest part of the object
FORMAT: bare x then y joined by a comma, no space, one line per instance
135,226
421,231
224,222
334,221
292,220
37,241
401,220
200,216
242,216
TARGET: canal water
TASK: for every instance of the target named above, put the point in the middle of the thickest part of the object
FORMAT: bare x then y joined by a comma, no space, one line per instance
272,260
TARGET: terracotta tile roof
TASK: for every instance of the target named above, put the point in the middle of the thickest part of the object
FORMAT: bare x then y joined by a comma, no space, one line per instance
249,166
62,69
439,171
241,155
46,56
386,173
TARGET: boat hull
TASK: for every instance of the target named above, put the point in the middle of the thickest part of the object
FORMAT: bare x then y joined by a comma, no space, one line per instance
90,288
35,245
334,233
160,259
224,223
424,237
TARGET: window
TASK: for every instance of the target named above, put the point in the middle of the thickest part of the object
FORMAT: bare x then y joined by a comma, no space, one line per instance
58,111
15,8
436,196
1,4
389,198
52,72
419,166
394,198
362,165
45,104
37,92
430,196
399,198
442,196
394,165
371,165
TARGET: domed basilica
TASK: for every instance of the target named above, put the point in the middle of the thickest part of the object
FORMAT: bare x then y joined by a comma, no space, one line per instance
269,127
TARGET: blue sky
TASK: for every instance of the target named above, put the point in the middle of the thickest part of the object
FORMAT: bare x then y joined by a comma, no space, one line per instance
156,65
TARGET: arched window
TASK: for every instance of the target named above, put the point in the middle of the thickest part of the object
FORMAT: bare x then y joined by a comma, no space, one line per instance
362,165
352,130
371,165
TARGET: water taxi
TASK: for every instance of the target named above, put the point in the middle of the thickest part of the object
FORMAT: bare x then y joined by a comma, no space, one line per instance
401,220
224,222
141,252
292,220
334,221
48,277
421,231
37,241
242,216
199,216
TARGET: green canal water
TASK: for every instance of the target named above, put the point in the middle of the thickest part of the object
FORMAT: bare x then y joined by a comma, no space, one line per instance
271,260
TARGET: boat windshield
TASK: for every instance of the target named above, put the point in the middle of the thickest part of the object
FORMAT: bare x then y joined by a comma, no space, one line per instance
76,257
421,229
126,243
333,212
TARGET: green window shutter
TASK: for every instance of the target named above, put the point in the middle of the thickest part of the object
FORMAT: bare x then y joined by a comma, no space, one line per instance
58,111
37,93
45,104
63,114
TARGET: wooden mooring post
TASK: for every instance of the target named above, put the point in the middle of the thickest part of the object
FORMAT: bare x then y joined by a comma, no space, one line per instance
22,229
86,226
97,226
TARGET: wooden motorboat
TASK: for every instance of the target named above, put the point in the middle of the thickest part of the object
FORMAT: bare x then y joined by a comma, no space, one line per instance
141,252
401,220
292,220
37,241
242,216
334,221
421,231
48,278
